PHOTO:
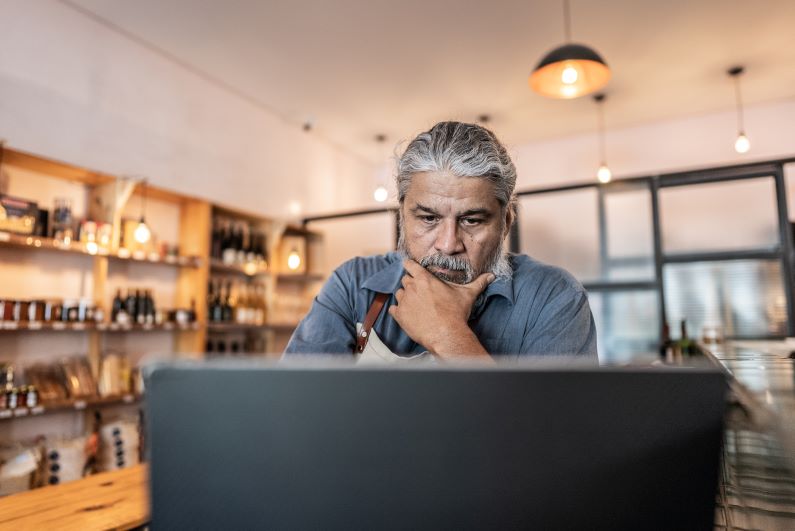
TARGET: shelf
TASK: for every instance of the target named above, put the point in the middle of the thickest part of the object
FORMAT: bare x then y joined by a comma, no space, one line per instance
308,277
235,327
71,404
8,239
100,327
113,327
217,266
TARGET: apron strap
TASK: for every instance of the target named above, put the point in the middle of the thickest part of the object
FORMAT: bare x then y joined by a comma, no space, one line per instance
369,321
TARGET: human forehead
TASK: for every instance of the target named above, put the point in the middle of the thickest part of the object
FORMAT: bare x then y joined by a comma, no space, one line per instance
446,192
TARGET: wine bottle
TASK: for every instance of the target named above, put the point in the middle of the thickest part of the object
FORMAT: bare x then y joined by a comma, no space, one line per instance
140,308
666,345
240,256
229,253
150,308
227,306
251,255
215,245
130,306
116,307
686,346
217,306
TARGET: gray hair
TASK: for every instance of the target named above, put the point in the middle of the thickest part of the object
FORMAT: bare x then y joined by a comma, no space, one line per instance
465,150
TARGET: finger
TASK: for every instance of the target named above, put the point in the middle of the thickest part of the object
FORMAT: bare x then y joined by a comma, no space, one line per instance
414,269
407,280
481,283
393,311
399,294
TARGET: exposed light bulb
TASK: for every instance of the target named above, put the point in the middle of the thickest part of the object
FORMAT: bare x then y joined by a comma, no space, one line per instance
604,174
294,260
569,75
381,194
742,144
142,232
568,91
294,207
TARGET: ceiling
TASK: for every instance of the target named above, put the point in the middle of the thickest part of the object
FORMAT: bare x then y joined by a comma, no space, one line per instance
359,68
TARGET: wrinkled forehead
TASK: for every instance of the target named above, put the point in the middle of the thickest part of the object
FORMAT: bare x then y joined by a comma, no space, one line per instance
448,193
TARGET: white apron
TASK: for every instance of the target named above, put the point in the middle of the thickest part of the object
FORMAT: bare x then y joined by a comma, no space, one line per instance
376,353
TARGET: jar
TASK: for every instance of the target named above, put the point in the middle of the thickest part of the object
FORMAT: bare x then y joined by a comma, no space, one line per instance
32,399
85,311
70,311
52,310
22,396
11,398
21,309
36,310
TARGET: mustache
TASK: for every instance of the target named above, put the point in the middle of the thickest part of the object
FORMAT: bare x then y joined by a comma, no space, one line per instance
446,262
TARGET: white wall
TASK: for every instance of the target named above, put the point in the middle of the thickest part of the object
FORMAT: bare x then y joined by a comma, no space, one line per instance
682,143
74,90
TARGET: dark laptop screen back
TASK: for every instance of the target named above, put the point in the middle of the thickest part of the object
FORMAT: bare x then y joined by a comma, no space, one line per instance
356,448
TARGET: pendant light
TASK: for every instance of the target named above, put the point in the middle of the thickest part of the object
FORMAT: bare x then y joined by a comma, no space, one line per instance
142,232
603,173
381,194
571,70
293,260
741,144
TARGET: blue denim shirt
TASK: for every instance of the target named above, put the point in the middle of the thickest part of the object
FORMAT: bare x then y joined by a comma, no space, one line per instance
540,310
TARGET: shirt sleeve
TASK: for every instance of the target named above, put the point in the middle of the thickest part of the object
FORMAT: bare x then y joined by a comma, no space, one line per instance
329,327
565,326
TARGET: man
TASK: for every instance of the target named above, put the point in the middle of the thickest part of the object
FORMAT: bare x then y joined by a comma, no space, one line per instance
451,291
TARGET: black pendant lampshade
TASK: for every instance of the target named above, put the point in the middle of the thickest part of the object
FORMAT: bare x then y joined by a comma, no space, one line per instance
570,71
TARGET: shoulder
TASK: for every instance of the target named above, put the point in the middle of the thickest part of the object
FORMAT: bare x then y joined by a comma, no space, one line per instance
356,272
366,266
540,279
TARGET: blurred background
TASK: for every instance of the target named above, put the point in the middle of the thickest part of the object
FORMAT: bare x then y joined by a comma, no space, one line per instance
180,176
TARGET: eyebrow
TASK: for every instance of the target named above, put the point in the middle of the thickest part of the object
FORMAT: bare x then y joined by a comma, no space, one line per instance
467,213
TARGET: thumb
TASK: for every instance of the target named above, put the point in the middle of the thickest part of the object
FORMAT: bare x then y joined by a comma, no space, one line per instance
481,283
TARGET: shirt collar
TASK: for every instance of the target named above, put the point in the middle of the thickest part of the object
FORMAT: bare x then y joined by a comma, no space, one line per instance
387,280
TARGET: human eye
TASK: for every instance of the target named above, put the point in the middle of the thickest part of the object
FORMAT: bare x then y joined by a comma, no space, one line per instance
471,222
430,219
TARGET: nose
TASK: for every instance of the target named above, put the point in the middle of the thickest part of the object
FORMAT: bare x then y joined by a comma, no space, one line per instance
447,239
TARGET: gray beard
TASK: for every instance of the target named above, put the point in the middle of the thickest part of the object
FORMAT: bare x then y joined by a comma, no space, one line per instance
497,263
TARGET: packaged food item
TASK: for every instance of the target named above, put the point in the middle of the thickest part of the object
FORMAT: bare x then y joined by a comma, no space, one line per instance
18,215
64,460
119,445
77,377
114,375
18,467
47,382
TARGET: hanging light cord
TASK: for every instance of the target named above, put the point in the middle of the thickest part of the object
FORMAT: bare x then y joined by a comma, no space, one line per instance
600,125
566,21
738,97
143,201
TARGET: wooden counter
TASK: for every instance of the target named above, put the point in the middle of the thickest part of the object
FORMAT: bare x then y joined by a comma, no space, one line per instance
111,500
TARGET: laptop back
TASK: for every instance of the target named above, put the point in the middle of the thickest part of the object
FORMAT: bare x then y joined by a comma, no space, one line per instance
252,447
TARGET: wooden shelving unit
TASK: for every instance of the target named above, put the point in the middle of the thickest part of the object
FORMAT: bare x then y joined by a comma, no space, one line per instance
234,327
34,326
106,198
71,404
216,266
39,243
